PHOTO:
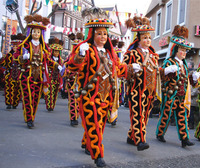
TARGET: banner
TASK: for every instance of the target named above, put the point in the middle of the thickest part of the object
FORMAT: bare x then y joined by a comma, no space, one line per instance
9,30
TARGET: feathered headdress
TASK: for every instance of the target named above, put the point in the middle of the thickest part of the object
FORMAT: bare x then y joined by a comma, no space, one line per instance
55,43
96,17
179,35
36,21
139,24
114,42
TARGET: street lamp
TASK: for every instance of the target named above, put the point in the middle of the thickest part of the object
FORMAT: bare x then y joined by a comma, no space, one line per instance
11,5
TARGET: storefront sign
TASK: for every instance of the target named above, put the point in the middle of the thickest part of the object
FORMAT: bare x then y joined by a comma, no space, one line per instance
164,41
9,31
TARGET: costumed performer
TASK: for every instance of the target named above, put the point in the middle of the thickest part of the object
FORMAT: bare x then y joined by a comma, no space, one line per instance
176,88
33,56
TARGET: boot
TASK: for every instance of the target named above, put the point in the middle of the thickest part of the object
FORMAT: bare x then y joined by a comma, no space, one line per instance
30,124
130,141
186,143
100,162
161,138
74,122
14,107
8,106
142,146
113,123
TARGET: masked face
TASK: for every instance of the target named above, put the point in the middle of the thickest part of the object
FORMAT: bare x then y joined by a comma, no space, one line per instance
56,53
36,34
145,40
100,37
14,48
181,54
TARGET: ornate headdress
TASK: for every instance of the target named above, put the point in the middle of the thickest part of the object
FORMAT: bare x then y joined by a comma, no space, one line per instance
96,17
139,24
17,39
76,38
36,21
179,35
56,44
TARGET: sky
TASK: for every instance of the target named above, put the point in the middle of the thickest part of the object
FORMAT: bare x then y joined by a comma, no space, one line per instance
130,6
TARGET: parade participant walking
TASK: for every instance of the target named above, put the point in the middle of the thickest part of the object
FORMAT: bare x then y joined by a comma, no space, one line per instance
33,56
98,68
71,83
142,87
12,85
176,93
55,79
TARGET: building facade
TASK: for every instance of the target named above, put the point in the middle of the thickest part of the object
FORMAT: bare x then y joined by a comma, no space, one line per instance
164,15
69,16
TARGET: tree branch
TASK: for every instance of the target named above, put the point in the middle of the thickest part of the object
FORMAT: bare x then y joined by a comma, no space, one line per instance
37,8
32,7
20,22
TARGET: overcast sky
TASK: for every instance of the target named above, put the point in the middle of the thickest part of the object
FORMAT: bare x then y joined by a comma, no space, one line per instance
130,6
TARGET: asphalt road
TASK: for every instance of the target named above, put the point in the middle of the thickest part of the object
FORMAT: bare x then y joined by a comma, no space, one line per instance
53,143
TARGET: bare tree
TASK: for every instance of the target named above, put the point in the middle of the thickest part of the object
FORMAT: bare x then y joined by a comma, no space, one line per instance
32,12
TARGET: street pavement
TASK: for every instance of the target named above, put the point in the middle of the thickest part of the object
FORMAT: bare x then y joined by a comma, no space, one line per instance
53,143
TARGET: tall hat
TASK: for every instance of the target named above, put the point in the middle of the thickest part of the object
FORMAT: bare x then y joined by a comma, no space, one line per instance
55,43
180,33
17,39
36,21
96,17
139,24
76,38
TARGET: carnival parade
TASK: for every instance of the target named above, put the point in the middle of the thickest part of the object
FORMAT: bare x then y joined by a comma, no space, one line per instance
123,71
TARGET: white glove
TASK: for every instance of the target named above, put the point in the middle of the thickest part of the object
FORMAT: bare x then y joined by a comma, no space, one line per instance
26,56
83,47
196,76
171,69
1,55
60,68
136,67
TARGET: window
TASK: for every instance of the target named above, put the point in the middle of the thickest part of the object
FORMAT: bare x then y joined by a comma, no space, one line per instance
150,21
68,21
181,12
74,24
168,16
158,23
66,43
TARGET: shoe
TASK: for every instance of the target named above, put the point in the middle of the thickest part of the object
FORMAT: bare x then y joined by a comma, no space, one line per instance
113,123
8,106
14,107
83,146
74,122
87,151
130,141
100,162
142,146
186,143
30,124
161,138
50,109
